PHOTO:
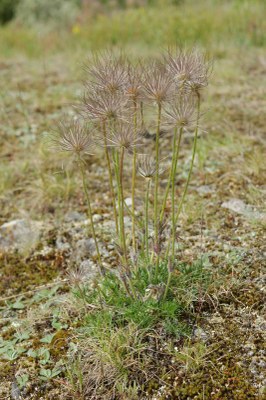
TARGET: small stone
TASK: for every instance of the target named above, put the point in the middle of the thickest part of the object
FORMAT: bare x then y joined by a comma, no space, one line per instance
128,201
90,267
74,216
62,244
19,235
205,189
200,334
85,248
242,208
97,218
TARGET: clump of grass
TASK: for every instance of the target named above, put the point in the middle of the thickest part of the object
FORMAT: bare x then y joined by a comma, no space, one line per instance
124,342
121,102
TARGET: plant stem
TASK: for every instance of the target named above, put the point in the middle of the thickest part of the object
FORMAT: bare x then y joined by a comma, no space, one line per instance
89,210
174,159
156,188
134,178
173,193
167,284
142,114
119,170
192,161
110,176
146,218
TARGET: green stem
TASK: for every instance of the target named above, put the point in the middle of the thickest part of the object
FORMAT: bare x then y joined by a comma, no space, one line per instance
119,173
146,213
174,159
156,188
89,210
167,284
134,179
111,184
173,192
142,114
192,162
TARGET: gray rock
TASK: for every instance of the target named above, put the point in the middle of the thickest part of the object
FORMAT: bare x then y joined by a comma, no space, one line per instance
128,201
201,334
22,235
97,218
62,244
205,189
85,248
74,216
90,268
242,208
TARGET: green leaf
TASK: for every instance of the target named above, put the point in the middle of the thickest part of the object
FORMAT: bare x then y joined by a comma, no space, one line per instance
48,338
22,380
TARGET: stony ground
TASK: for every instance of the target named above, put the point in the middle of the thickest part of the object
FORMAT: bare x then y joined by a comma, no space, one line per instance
43,233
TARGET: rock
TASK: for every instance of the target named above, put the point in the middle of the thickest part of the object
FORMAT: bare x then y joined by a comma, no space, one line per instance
200,334
242,208
22,235
128,201
85,248
62,244
205,189
89,268
97,218
74,216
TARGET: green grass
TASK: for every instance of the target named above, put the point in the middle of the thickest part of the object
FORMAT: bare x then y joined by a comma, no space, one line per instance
116,309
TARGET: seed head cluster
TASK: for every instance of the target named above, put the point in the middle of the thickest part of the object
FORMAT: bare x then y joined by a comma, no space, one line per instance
120,100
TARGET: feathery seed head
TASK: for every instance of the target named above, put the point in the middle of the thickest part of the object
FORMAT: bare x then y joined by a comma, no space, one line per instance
108,73
123,136
190,69
100,106
147,166
72,137
181,113
158,84
134,86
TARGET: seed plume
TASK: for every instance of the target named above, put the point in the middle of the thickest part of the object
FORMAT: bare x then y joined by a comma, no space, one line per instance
190,69
108,73
158,84
72,136
181,113
122,136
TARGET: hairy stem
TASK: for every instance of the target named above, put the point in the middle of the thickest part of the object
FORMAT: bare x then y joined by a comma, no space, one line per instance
156,188
119,173
146,219
89,210
111,184
173,194
134,179
142,114
175,155
192,161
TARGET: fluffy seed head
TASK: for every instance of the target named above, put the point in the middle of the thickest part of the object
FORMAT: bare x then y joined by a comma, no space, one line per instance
100,106
108,73
147,166
134,87
181,113
190,69
158,84
123,136
72,137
